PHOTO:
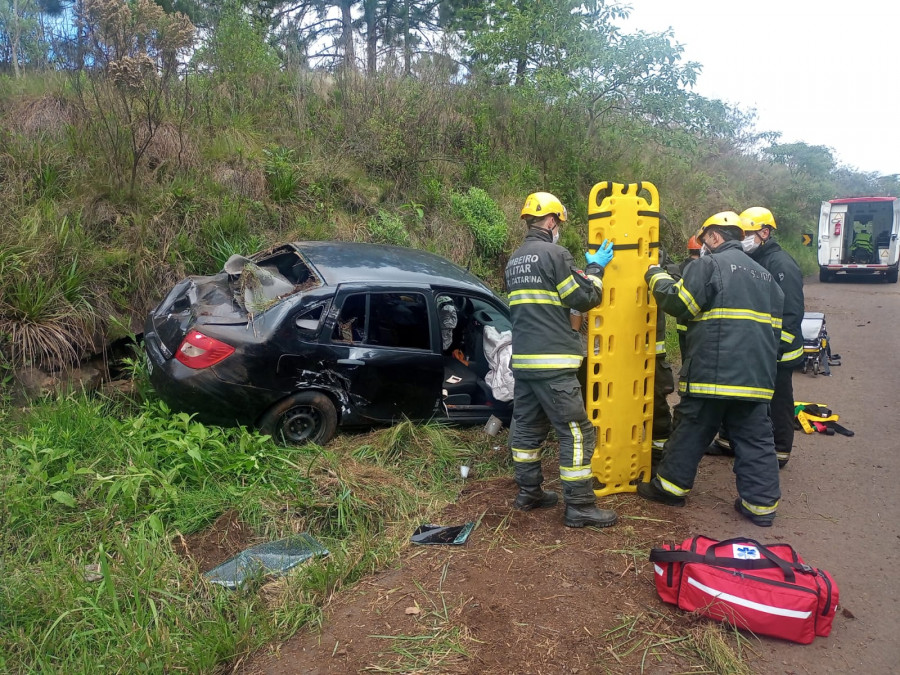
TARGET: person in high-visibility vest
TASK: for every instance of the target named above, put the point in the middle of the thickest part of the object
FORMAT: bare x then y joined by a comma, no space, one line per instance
728,374
862,248
544,285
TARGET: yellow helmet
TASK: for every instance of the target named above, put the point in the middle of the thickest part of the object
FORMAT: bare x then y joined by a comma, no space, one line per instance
722,219
540,204
756,218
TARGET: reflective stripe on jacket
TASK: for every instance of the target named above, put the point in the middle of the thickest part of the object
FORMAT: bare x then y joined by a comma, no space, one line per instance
787,275
543,285
733,307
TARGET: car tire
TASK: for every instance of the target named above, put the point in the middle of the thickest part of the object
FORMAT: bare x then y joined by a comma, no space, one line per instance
305,417
892,276
824,276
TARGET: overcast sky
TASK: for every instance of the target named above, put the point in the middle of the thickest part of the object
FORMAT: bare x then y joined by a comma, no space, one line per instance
818,71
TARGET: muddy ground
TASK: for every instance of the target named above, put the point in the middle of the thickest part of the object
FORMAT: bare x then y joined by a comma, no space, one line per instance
528,595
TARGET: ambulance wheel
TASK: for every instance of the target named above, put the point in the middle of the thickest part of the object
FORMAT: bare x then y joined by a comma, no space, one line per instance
824,276
891,276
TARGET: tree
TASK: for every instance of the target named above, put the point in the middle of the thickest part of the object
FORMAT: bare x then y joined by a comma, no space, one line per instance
132,62
512,41
21,24
570,50
639,74
236,50
816,161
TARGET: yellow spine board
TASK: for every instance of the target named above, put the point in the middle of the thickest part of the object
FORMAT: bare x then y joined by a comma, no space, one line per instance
621,350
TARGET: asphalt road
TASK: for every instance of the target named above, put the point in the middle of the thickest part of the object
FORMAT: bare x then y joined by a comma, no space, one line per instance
840,507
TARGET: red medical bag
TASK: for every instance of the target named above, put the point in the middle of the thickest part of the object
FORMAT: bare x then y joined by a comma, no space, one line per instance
766,589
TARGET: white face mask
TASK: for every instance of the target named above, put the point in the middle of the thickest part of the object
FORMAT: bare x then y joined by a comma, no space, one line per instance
704,250
556,235
749,243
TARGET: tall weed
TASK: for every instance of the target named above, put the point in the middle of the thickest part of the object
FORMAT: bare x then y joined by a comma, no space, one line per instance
282,173
484,218
386,228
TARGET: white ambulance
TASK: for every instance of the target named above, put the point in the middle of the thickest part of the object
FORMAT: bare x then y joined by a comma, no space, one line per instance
858,235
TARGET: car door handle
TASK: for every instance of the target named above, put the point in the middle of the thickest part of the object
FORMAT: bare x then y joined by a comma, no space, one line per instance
351,362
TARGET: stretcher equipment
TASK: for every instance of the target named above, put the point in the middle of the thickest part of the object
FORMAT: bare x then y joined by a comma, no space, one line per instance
816,346
621,349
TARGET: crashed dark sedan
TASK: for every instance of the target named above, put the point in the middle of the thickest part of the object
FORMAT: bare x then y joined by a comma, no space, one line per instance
308,336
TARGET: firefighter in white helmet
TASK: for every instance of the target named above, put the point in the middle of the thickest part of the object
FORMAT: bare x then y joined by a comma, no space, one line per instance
733,312
759,243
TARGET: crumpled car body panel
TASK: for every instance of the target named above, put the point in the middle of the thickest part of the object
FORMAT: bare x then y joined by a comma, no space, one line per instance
280,311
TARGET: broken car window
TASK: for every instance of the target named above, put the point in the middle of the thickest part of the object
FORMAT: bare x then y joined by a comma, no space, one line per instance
394,320
308,320
351,323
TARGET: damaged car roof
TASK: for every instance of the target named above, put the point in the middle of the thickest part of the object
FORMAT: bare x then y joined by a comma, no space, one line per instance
342,262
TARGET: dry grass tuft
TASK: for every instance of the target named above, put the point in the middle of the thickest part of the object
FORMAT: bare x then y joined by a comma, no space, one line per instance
48,115
170,148
248,182
454,242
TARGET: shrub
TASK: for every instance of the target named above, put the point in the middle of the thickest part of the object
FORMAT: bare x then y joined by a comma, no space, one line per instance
386,228
484,218
282,174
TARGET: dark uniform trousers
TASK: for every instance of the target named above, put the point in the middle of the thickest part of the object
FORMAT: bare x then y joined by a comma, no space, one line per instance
755,465
553,399
663,385
781,410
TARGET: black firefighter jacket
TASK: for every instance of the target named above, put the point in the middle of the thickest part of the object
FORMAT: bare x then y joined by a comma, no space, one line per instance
543,285
733,307
787,275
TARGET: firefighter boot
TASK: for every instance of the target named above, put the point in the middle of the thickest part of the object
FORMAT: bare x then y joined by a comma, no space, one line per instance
654,493
581,507
588,515
759,521
533,497
529,478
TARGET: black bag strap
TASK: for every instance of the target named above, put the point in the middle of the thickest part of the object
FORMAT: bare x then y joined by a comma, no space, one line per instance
784,565
842,430
662,555
768,561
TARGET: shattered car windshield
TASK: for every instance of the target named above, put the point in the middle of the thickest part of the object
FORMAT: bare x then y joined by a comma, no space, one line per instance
258,284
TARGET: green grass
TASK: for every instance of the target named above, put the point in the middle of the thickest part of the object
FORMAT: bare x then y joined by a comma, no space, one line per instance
87,481
804,255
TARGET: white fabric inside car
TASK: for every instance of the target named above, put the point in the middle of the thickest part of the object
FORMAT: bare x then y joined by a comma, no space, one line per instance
498,351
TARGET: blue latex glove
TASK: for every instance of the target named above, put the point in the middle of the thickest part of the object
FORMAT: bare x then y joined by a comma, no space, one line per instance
602,255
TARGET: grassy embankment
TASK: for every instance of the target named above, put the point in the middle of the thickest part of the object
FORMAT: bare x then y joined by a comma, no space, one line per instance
91,482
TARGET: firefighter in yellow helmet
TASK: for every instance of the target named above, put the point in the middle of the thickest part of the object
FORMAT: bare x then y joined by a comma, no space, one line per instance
759,243
544,285
733,312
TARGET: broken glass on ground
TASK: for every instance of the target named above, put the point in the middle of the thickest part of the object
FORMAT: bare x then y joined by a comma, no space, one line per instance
272,558
453,535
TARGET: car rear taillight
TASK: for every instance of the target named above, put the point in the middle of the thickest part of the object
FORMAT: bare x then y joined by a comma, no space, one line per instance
837,229
201,351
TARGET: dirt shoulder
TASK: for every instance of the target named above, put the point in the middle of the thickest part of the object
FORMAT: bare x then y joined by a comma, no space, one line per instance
525,593
528,595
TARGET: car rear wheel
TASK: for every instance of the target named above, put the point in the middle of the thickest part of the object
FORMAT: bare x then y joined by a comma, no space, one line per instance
307,417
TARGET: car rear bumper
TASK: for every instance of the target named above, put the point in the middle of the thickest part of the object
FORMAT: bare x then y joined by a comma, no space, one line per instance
858,269
201,391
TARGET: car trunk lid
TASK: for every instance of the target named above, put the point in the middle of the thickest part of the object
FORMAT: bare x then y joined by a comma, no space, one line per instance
244,289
